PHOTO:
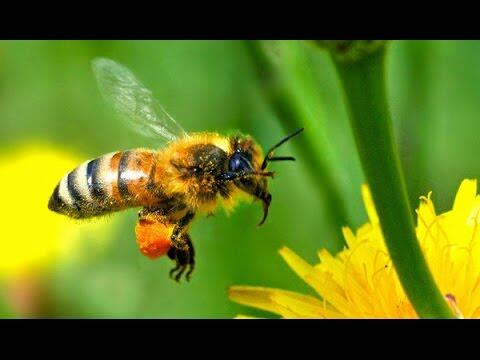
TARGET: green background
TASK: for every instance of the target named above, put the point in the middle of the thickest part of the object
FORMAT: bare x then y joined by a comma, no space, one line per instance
48,93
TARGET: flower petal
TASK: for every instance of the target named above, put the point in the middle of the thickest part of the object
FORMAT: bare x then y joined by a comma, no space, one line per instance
300,266
284,303
303,269
245,317
426,217
369,204
465,197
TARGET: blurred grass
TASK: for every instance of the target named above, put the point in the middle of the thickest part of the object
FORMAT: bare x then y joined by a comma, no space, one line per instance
278,64
48,93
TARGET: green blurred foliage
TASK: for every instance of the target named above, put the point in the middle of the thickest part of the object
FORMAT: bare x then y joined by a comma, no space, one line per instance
48,93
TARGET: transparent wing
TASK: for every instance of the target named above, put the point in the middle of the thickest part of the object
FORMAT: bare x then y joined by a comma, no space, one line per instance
131,99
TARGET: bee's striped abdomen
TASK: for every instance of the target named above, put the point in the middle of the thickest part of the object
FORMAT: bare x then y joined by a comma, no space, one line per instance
109,183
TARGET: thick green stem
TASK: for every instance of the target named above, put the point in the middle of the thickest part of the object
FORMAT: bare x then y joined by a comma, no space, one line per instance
309,144
363,82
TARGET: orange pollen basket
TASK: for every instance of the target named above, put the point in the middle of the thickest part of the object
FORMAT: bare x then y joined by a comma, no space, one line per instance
153,237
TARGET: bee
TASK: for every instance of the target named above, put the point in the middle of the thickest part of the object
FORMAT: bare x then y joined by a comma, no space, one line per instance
189,175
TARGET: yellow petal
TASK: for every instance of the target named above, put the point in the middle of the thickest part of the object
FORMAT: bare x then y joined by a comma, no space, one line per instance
369,205
255,297
244,317
331,291
426,218
465,197
300,266
284,303
301,305
426,210
349,236
303,269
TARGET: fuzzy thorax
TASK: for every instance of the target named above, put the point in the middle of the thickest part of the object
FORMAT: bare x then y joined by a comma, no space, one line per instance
189,169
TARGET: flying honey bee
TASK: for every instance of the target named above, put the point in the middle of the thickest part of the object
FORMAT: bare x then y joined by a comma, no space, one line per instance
190,174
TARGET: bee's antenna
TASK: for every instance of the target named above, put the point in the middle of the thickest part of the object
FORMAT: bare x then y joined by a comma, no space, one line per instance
269,156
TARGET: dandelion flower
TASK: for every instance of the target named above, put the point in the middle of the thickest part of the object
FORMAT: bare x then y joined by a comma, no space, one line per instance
31,236
361,282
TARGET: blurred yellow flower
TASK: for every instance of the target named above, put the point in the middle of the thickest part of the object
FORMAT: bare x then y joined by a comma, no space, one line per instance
31,236
360,281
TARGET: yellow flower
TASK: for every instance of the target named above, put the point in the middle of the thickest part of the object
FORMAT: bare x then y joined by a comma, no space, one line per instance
360,281
31,236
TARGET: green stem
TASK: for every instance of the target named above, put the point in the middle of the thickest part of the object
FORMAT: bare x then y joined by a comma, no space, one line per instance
363,82
308,144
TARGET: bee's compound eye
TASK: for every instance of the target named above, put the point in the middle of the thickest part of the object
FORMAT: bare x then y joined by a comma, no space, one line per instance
239,163
234,163
196,170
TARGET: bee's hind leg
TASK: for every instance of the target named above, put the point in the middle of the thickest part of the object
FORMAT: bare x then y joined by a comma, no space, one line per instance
172,254
178,234
181,259
191,257
184,257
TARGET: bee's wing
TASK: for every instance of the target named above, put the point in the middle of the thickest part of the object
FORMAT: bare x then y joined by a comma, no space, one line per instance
131,99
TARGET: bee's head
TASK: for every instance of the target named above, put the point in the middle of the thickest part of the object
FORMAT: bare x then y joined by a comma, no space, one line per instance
246,168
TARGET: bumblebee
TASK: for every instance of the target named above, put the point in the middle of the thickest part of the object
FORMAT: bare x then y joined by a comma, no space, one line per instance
190,174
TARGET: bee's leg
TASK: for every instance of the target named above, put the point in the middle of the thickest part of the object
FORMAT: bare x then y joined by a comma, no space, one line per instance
191,257
182,263
177,239
172,254
183,259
